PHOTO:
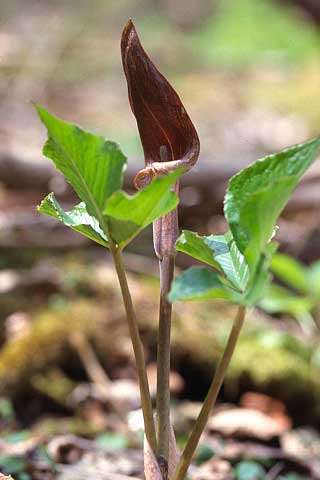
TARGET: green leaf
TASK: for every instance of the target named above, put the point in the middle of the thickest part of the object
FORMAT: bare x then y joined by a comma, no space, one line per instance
292,272
234,263
17,437
292,476
219,251
12,464
112,441
249,470
257,195
261,278
204,453
78,219
314,279
204,284
24,476
92,165
198,283
128,215
7,413
95,167
200,248
278,299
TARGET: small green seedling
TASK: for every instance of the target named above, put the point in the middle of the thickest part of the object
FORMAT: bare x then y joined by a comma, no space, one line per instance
237,262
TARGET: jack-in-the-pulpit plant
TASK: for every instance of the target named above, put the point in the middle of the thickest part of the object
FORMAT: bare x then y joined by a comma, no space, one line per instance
237,262
169,142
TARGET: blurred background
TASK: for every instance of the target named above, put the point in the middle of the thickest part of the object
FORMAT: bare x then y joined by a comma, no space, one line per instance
248,74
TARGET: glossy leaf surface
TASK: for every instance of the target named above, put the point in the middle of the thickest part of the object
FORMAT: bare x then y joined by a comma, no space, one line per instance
92,165
95,167
128,215
78,219
165,128
257,195
219,251
198,283
254,200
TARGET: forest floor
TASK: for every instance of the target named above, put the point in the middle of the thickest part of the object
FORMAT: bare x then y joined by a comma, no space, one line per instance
65,357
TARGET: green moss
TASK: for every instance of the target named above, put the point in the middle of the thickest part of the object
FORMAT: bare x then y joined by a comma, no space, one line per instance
267,365
266,359
265,355
277,369
75,425
45,343
54,384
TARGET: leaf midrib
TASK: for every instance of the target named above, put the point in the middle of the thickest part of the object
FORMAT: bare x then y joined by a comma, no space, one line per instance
92,199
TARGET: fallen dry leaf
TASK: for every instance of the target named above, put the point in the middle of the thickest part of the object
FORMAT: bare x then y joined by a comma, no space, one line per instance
266,404
245,422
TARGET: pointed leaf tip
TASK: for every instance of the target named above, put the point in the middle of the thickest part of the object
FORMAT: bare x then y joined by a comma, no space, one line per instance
125,37
77,219
91,164
257,195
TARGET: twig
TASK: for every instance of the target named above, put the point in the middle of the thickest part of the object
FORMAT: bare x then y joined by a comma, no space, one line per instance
211,397
94,370
100,378
274,471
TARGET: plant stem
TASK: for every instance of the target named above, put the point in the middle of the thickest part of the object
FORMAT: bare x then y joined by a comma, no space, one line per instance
165,233
146,404
211,397
166,266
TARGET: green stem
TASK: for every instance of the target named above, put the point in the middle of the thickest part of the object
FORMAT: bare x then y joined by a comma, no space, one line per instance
146,404
166,265
211,397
